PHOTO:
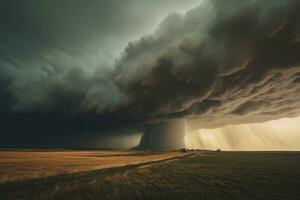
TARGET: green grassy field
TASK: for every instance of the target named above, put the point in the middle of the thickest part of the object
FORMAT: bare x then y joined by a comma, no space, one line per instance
204,175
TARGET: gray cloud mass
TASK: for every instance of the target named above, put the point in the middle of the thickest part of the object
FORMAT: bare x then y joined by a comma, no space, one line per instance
223,62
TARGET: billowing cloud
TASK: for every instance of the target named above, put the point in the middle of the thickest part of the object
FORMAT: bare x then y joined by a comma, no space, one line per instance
223,62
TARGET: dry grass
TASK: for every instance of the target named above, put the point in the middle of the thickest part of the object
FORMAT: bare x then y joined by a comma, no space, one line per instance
203,175
23,165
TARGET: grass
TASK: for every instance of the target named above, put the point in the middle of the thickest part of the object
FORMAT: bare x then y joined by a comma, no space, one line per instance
16,165
205,175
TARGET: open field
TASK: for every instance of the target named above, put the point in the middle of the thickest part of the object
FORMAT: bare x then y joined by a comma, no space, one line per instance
202,175
22,165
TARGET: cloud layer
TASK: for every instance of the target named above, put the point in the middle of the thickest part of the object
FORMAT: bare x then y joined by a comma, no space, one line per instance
224,62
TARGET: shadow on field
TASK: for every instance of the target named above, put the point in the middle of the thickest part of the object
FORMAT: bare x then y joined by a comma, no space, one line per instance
204,175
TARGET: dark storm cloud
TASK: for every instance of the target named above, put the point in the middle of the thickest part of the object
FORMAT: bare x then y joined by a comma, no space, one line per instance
223,62
56,64
60,53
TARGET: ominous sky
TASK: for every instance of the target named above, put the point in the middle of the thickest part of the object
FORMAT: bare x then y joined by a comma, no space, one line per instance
275,135
70,69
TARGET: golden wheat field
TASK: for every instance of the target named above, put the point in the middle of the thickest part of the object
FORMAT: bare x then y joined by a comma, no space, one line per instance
23,165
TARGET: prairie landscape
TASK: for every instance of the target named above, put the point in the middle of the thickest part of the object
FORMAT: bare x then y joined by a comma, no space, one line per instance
169,175
150,100
23,165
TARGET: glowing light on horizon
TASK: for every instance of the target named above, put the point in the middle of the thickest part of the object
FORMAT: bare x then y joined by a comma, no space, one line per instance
185,134
282,134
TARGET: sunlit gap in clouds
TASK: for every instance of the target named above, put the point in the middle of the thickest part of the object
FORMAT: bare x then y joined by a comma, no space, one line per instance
186,137
282,134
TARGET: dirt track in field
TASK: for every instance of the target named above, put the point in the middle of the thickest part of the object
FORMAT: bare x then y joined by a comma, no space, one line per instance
23,165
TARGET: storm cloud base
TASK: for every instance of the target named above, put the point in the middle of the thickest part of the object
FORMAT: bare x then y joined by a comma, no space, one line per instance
164,136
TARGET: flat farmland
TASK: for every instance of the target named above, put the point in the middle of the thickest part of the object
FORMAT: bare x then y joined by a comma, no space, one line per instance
196,175
22,165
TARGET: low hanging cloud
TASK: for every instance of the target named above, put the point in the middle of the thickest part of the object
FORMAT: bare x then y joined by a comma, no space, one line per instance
224,62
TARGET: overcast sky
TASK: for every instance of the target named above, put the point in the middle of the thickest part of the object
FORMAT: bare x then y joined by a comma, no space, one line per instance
72,68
